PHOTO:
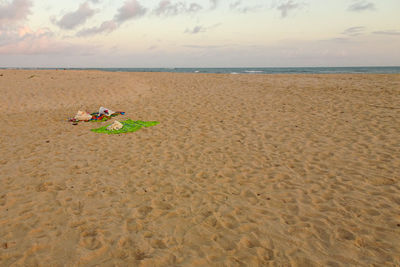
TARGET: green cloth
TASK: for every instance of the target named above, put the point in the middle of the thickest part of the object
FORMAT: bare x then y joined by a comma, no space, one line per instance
128,126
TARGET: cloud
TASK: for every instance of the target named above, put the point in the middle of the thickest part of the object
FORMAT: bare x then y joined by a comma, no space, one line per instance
397,33
25,41
235,5
16,11
105,27
361,6
167,8
199,29
285,8
214,4
19,39
131,9
238,7
196,29
73,19
354,31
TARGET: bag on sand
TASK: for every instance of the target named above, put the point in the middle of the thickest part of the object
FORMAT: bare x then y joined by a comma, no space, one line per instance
105,111
83,116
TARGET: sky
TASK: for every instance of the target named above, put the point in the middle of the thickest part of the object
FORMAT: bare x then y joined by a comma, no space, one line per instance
203,33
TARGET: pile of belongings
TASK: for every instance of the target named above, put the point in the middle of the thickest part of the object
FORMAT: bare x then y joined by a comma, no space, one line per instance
104,114
116,127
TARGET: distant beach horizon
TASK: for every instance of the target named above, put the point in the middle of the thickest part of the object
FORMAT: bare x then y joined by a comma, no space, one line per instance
245,70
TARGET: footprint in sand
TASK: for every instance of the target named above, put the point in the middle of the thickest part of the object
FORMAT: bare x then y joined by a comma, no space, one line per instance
382,181
89,240
157,243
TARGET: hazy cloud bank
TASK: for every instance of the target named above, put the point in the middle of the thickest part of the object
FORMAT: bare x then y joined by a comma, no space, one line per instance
394,33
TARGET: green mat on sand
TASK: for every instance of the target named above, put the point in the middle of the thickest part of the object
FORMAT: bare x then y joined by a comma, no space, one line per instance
128,126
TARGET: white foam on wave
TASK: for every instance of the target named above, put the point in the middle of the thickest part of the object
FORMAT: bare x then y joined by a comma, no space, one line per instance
254,71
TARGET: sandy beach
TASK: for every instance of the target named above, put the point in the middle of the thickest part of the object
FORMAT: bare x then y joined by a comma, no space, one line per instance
243,170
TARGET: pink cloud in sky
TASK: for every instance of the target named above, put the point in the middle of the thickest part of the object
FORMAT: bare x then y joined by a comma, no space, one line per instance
25,41
12,16
18,38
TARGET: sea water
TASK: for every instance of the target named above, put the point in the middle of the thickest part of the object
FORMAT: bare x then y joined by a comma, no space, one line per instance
298,70
294,70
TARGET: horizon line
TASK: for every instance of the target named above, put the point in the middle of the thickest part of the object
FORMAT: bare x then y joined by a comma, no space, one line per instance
236,67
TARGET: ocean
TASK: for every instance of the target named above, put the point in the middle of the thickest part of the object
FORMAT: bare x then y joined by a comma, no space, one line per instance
294,70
